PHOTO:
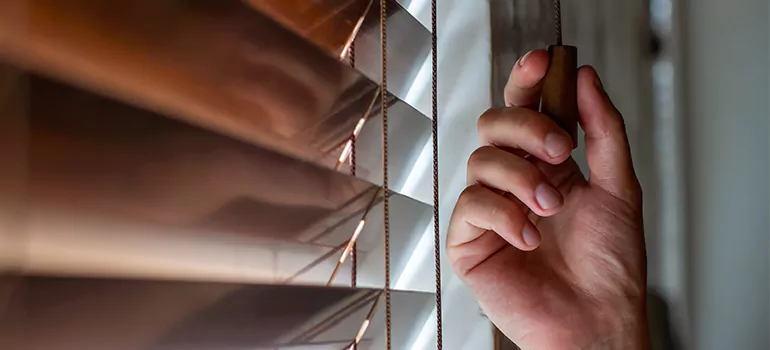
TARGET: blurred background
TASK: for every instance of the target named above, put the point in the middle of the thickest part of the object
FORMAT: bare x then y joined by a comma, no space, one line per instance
182,174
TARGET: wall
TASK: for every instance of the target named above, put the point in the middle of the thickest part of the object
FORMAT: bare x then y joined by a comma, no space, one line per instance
725,62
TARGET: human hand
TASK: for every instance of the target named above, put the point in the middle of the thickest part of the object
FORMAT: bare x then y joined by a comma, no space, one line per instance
557,261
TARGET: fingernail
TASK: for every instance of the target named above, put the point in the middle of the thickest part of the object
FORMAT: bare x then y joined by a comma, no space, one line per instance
556,145
531,236
547,197
524,59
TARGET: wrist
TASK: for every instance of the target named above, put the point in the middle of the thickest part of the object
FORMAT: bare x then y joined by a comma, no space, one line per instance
615,328
621,328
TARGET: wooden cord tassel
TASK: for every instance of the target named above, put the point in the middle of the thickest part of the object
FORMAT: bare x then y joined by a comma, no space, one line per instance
559,99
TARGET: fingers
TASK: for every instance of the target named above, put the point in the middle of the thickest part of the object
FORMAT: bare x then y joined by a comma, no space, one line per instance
496,168
524,87
521,128
479,210
607,149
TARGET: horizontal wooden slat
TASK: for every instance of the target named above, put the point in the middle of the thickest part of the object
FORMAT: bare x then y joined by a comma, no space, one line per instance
220,65
97,314
332,25
105,189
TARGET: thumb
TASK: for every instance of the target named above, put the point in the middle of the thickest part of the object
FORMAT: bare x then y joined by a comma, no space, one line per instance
606,142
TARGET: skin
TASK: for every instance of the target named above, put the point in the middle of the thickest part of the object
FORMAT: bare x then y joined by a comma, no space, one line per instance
555,259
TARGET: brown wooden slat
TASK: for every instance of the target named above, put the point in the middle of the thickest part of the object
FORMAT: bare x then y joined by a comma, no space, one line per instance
95,187
217,64
330,24
115,314
92,154
220,65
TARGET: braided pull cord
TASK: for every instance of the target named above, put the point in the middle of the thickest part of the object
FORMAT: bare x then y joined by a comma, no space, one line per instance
434,127
354,257
352,53
385,187
557,17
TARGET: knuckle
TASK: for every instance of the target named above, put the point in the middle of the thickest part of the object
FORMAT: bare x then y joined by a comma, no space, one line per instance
534,123
468,196
507,216
523,175
539,124
480,157
487,119
528,176
523,117
501,212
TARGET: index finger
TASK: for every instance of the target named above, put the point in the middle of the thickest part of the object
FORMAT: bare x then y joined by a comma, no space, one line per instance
524,84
